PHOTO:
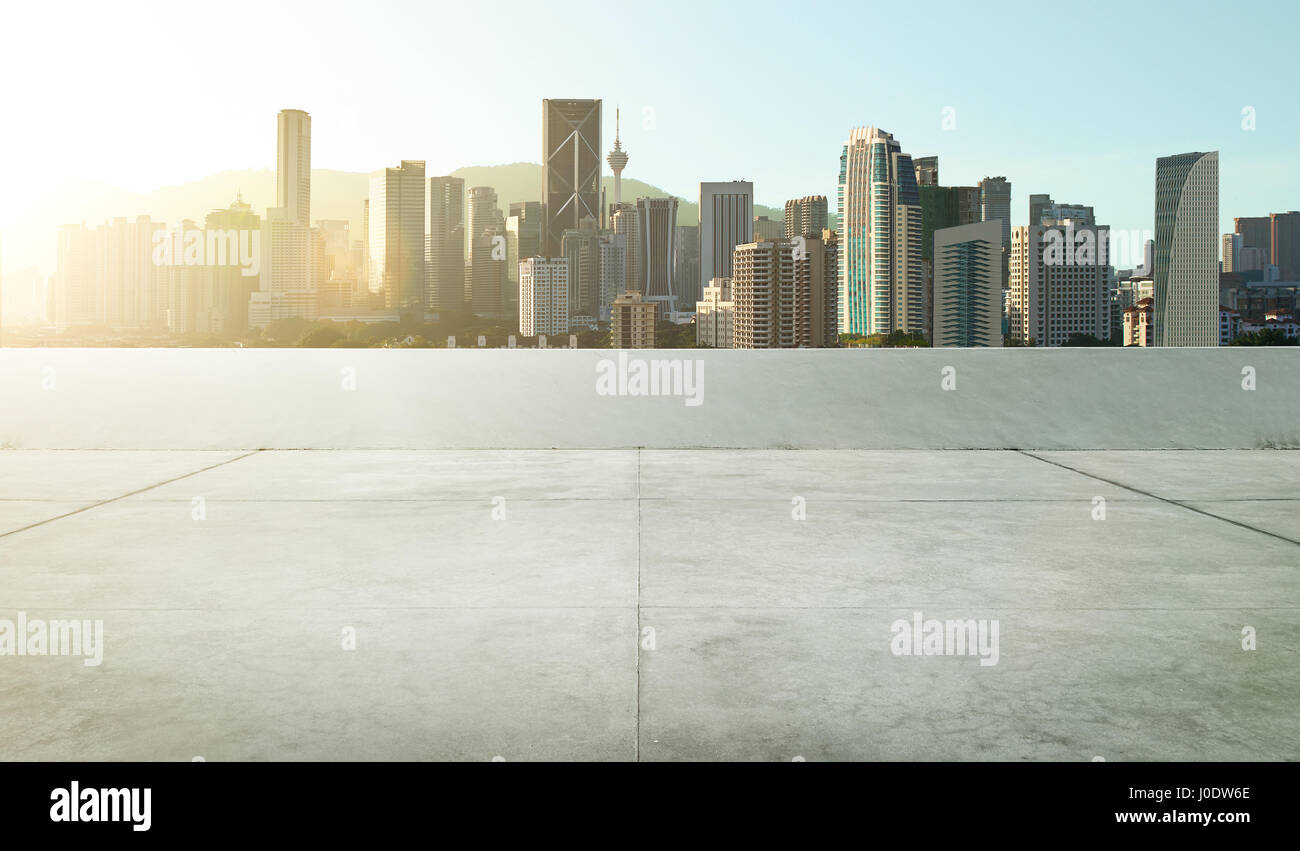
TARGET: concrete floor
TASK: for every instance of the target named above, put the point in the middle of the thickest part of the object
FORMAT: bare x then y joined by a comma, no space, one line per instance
525,637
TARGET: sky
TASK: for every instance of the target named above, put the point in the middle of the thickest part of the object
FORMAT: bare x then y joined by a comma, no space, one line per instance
1072,99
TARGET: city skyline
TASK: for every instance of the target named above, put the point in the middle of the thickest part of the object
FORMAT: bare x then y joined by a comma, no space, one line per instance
933,111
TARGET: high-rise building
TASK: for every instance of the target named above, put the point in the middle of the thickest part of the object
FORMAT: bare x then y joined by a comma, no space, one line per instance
714,314
995,205
1231,251
784,294
543,296
293,165
286,238
485,274
627,223
230,289
613,271
882,279
617,161
1187,262
766,228
806,215
1043,209
396,235
1284,241
1060,282
571,167
632,322
286,253
968,286
686,263
581,247
927,171
726,220
657,218
482,214
444,244
1256,232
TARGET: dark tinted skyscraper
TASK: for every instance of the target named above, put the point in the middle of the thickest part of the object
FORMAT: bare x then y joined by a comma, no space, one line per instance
571,166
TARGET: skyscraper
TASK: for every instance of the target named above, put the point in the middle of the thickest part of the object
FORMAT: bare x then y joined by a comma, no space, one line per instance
726,220
396,235
995,205
968,286
1187,251
627,223
230,287
686,261
286,239
571,167
882,279
293,165
581,247
657,218
1284,240
444,251
805,215
1256,232
613,271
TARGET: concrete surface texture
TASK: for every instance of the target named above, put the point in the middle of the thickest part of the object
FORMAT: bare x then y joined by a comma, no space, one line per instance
1078,398
654,605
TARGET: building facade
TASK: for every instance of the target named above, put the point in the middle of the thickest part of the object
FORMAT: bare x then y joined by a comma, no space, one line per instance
881,276
1186,256
785,294
543,296
571,167
968,286
395,235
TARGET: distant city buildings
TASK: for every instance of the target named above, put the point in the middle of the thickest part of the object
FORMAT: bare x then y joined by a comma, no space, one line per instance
1187,246
881,276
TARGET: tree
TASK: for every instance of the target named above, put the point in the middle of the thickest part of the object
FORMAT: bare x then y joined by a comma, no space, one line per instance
1265,337
321,337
